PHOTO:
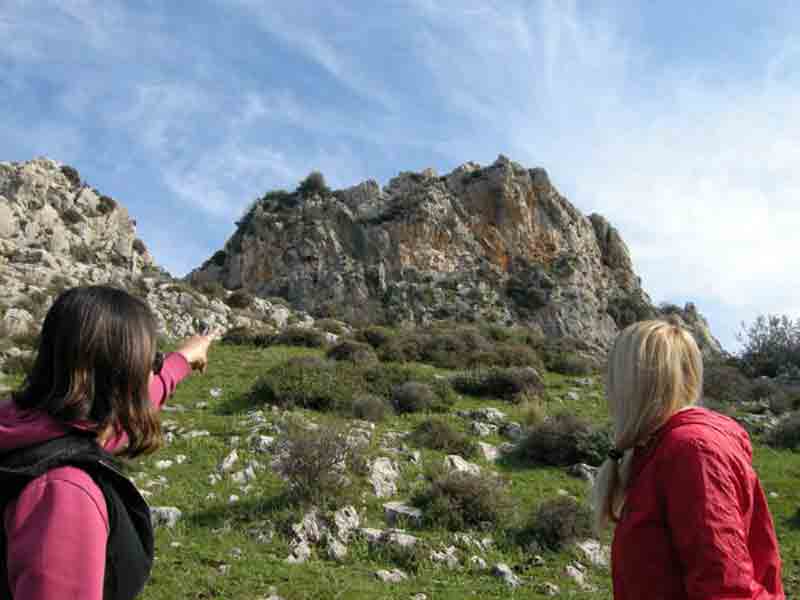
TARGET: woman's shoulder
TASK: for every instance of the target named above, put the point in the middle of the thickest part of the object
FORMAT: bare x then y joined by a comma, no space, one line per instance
699,429
67,491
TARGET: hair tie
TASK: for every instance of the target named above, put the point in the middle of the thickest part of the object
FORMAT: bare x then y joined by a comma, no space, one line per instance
615,454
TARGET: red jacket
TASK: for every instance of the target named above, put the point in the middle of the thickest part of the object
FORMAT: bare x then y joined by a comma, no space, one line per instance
696,525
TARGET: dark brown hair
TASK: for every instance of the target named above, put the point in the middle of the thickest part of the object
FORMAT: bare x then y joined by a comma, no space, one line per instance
93,366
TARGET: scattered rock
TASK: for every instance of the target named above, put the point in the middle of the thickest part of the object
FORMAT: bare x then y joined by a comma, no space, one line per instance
165,516
301,552
398,538
229,461
454,463
400,512
594,552
482,429
448,556
393,576
576,572
477,563
504,572
583,471
336,550
346,521
162,465
383,476
489,452
548,589
512,430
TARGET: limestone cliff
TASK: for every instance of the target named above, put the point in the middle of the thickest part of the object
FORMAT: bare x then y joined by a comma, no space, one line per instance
497,244
57,232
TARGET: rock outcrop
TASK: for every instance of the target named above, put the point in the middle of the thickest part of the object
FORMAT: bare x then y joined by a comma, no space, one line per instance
493,244
57,232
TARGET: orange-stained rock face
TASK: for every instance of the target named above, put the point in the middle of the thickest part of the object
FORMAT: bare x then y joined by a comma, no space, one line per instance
492,244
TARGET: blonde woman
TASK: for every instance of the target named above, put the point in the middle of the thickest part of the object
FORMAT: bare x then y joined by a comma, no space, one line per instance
691,518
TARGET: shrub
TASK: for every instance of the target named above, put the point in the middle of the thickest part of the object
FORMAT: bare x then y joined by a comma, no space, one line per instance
301,336
382,379
771,346
239,299
139,246
560,522
72,216
219,258
20,364
376,336
782,401
248,336
106,205
403,347
532,410
438,434
212,289
507,384
567,363
314,183
82,253
72,175
319,464
331,326
725,384
307,382
355,352
413,396
787,433
457,501
371,408
762,388
564,440
626,310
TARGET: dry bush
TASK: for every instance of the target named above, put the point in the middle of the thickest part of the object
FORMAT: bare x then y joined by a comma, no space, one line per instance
558,523
319,464
352,351
308,382
457,501
786,434
564,440
725,384
375,335
239,299
413,396
371,408
507,384
438,434
331,326
301,336
248,336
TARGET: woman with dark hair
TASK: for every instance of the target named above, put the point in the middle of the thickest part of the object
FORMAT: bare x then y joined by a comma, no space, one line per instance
73,526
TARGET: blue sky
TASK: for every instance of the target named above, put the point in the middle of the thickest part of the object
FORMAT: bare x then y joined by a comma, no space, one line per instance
679,121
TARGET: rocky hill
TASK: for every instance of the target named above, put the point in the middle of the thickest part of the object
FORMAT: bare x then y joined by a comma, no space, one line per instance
493,244
57,232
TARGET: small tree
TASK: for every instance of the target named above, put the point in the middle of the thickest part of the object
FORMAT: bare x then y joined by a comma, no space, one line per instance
314,183
770,345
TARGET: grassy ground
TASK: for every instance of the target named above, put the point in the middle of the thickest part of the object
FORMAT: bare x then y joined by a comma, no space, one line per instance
237,550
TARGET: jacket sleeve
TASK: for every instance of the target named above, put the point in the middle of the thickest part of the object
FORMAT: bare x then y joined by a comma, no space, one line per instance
56,542
176,368
704,498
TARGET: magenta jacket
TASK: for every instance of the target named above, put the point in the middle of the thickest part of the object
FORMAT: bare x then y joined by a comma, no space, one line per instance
57,528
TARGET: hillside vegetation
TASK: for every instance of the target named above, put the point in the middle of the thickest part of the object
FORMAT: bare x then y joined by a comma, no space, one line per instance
283,432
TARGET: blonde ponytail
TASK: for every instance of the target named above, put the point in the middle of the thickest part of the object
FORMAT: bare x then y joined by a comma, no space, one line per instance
654,370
